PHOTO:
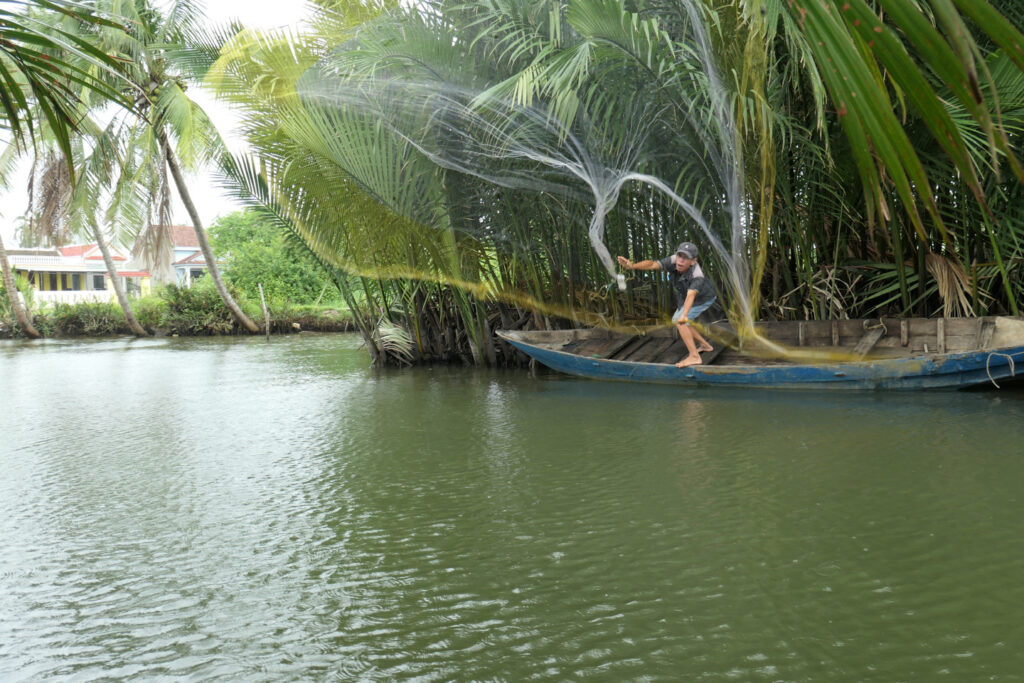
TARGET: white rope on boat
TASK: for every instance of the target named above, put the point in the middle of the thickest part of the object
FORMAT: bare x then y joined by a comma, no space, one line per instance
1007,356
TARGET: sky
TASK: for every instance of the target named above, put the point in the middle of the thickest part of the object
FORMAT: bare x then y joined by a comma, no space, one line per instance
210,202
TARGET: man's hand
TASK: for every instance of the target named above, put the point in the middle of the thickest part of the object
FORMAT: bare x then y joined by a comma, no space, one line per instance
625,263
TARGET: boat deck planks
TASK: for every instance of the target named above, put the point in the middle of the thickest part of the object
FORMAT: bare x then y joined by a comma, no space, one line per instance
653,351
627,351
616,346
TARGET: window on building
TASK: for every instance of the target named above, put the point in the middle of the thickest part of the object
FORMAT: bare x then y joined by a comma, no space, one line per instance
76,281
99,282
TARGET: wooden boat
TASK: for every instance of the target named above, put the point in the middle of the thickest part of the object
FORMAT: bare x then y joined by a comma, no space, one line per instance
887,353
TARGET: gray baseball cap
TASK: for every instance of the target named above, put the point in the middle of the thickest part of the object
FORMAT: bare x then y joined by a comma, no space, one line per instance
687,249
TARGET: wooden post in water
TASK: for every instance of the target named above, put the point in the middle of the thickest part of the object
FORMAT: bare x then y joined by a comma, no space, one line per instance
266,316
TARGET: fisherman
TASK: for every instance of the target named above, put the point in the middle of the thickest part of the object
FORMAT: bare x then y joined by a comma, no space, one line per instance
694,294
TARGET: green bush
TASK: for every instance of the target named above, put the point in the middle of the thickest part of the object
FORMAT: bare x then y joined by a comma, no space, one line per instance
196,310
87,319
256,252
184,311
151,311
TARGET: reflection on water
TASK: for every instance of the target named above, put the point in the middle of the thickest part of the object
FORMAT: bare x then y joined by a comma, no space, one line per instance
233,508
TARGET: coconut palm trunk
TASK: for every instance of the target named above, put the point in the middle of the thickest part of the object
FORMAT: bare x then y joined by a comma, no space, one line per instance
20,314
204,244
115,281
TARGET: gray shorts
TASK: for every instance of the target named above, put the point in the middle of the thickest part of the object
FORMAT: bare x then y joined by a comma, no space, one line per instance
695,310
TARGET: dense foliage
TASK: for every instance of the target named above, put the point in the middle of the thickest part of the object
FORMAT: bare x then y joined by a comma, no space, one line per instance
858,157
256,251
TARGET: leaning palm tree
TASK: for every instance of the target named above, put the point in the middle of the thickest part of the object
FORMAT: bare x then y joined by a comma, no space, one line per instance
99,169
296,178
171,133
289,181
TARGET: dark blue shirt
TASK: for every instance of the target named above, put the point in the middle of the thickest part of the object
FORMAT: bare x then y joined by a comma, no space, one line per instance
693,278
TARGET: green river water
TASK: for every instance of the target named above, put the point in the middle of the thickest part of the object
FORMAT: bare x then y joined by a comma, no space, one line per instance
233,509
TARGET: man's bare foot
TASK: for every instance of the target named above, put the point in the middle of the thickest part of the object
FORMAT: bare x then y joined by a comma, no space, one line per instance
705,347
688,361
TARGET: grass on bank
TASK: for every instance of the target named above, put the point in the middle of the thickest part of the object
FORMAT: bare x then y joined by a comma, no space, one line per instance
172,310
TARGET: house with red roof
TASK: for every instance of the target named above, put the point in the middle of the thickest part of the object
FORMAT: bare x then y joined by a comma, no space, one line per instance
76,273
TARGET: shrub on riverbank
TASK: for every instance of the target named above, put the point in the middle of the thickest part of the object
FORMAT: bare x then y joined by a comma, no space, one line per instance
86,319
198,310
173,310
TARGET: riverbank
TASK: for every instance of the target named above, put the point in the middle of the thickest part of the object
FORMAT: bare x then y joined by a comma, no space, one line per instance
102,319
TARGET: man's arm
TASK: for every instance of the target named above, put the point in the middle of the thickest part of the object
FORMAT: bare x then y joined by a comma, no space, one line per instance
639,265
691,295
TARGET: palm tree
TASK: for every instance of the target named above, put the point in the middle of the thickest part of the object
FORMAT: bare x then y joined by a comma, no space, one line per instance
292,185
99,170
171,132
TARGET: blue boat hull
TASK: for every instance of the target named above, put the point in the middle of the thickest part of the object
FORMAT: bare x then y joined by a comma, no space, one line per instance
946,371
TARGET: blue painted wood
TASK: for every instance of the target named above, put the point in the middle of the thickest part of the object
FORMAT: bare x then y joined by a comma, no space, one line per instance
946,371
